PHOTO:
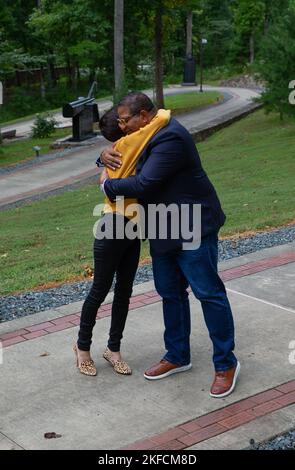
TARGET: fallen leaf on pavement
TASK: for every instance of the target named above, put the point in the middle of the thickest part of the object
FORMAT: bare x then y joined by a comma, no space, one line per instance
51,435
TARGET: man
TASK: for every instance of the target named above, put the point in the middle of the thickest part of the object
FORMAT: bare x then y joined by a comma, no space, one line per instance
169,171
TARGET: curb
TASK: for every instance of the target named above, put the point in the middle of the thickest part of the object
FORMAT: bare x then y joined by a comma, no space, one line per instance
220,421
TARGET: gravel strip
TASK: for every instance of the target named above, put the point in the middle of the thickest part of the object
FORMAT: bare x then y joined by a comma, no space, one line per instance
285,441
15,306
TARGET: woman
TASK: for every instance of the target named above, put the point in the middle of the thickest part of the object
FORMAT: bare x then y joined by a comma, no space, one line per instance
115,255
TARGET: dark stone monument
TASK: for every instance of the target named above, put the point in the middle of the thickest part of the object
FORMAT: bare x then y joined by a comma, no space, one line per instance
189,73
84,113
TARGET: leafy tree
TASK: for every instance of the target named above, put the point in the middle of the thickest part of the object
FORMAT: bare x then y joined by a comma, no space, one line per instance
79,35
248,19
214,21
158,26
252,20
75,29
273,11
277,64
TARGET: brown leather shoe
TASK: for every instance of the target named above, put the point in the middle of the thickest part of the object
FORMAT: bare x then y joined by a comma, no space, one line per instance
225,382
163,369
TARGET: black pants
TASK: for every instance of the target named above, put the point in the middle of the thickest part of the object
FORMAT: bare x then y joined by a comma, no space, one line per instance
111,256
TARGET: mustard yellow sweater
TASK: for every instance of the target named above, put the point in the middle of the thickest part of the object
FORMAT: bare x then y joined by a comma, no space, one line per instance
130,147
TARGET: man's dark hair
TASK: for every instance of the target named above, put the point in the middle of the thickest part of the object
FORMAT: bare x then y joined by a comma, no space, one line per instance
136,101
109,126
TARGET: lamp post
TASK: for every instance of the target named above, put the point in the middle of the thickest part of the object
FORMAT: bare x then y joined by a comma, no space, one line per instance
37,150
203,41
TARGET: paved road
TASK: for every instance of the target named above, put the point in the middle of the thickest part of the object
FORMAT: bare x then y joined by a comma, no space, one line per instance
23,128
46,176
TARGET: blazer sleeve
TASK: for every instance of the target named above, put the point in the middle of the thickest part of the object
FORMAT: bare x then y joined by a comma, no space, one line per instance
166,158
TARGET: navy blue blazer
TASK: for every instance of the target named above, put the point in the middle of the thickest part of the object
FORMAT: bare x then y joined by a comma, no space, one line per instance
169,170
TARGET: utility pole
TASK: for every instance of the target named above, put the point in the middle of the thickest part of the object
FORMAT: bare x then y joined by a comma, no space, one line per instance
189,73
158,56
118,48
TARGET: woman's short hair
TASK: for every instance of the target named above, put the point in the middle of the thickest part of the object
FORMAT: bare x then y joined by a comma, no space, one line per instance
108,125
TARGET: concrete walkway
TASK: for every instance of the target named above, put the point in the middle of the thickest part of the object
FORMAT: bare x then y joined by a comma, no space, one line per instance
42,391
79,165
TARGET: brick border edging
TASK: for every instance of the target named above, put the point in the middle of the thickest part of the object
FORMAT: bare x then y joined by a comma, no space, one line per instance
203,427
69,321
137,301
220,421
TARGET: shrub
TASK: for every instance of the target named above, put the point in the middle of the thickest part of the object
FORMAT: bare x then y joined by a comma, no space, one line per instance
43,126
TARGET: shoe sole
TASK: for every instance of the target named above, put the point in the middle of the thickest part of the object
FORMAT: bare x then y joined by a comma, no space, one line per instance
237,371
172,371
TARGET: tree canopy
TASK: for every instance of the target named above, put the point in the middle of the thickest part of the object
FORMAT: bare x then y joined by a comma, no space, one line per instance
78,35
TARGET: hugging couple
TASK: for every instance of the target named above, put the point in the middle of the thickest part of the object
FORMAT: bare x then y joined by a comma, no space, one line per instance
154,160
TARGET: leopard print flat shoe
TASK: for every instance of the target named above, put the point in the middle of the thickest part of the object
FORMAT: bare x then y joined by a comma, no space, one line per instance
85,367
121,367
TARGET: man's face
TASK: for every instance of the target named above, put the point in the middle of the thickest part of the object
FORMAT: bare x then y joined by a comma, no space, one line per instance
130,122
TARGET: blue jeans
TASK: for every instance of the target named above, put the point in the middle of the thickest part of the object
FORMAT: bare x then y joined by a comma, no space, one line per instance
173,273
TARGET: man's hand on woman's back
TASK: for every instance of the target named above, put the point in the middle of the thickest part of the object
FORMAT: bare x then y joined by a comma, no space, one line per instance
111,158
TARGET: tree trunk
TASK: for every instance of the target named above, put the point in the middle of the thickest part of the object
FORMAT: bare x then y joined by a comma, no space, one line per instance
189,34
119,49
159,58
42,83
75,76
252,49
78,75
267,19
52,72
266,26
69,72
18,78
92,75
1,102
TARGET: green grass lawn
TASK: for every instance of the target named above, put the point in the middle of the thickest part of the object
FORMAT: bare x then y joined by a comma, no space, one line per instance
251,163
19,151
48,241
187,101
16,152
27,117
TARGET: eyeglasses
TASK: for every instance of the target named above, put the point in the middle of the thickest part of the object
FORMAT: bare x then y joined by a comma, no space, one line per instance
124,121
